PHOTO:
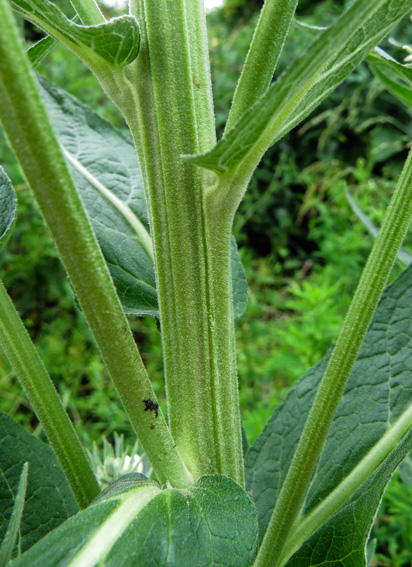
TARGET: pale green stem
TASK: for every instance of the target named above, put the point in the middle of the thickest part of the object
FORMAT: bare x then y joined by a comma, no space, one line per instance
88,11
173,115
31,135
261,61
371,285
46,403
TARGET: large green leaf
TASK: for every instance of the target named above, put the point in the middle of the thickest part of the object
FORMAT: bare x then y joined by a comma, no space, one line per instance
49,500
135,523
107,175
8,206
115,42
303,86
370,429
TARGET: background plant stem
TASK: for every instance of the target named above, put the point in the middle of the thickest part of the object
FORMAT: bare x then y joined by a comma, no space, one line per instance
371,285
30,133
42,395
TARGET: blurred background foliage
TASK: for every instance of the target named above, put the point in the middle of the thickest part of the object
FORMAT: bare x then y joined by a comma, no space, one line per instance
302,246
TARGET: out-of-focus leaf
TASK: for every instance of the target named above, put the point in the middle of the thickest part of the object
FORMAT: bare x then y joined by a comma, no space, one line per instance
403,255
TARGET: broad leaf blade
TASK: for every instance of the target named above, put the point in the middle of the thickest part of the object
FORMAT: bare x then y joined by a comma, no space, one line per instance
8,206
115,42
8,543
377,399
49,500
106,171
302,87
134,523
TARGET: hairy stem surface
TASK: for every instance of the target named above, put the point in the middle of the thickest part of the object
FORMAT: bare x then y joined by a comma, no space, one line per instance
173,115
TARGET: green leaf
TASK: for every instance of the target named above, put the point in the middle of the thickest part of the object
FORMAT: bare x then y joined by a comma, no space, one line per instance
385,67
115,42
303,86
106,171
39,50
134,522
8,206
49,500
239,281
370,432
6,548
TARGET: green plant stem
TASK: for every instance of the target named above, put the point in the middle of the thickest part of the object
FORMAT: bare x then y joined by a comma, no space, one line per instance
342,494
262,58
30,133
88,11
46,403
173,115
371,285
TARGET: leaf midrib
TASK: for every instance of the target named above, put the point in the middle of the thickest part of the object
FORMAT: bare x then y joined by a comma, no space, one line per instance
141,233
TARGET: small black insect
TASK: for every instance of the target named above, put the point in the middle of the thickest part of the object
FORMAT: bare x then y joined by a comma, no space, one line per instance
151,406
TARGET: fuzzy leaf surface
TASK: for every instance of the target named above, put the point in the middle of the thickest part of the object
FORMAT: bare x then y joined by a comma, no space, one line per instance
115,42
106,171
8,207
135,522
377,398
49,500
308,81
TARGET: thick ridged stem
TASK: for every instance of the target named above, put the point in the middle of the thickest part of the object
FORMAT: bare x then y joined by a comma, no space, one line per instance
174,116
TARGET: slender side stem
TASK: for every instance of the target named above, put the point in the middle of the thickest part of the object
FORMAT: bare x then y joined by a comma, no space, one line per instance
31,135
174,116
309,525
262,58
88,11
46,403
369,290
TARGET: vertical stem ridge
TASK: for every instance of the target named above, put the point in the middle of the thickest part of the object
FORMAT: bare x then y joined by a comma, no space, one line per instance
174,116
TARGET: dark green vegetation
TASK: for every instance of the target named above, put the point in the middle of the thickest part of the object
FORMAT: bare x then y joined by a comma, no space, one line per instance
302,246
